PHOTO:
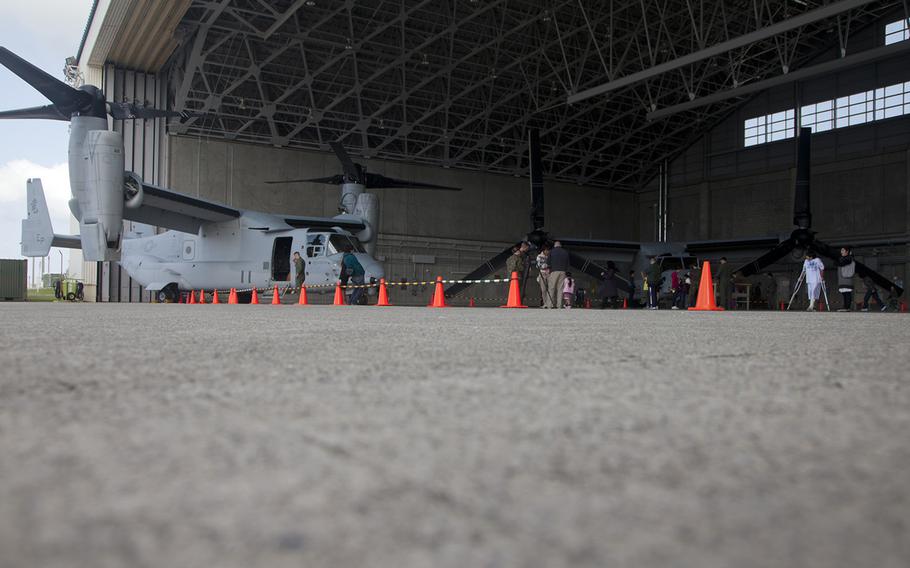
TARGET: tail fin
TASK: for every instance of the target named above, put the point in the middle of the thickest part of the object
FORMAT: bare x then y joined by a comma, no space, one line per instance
37,233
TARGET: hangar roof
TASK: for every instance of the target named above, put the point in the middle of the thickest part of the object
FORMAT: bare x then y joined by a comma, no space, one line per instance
457,83
136,34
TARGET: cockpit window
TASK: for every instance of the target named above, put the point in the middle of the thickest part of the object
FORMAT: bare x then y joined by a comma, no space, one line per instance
338,243
315,245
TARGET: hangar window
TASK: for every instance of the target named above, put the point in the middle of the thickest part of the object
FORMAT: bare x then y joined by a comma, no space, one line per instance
771,127
868,106
897,31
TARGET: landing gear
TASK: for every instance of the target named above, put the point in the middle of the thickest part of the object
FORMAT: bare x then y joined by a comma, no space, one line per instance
169,294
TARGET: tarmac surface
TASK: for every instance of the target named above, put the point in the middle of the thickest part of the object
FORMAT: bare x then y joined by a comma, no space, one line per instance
222,436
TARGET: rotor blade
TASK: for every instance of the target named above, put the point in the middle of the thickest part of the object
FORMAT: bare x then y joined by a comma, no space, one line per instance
333,180
487,267
378,181
595,270
58,92
864,271
767,259
48,112
127,111
537,216
802,213
347,164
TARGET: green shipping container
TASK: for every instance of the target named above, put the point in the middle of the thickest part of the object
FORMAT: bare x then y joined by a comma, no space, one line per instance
13,280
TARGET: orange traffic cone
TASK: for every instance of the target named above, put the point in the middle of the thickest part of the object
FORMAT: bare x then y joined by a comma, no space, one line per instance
471,303
339,296
705,302
255,298
303,300
383,294
232,297
192,297
276,300
514,293
439,297
625,303
215,296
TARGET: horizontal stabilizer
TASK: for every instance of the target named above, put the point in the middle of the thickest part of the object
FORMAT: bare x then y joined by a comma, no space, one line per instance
67,241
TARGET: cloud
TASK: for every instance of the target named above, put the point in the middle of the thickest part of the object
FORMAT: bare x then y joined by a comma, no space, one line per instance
57,24
56,182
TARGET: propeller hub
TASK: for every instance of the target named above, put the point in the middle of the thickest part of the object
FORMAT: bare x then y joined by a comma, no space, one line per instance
803,237
538,238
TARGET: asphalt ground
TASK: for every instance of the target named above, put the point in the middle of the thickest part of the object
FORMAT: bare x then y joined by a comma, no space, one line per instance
171,435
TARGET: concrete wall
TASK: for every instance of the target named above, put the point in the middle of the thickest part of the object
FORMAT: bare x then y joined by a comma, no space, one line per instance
458,229
489,208
720,189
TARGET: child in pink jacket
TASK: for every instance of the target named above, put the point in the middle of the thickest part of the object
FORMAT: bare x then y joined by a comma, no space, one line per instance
568,291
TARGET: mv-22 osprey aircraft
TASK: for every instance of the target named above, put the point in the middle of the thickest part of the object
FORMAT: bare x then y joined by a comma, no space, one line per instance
209,245
683,255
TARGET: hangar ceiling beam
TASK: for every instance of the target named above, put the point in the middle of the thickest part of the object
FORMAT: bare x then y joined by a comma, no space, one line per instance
791,23
860,58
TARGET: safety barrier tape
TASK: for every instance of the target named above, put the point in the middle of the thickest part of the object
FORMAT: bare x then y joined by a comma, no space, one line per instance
293,289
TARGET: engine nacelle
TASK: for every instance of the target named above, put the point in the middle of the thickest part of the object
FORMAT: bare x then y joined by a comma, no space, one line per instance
101,203
367,208
132,191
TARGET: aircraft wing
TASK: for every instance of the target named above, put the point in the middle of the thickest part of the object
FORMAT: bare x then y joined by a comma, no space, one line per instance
172,210
351,224
624,246
757,243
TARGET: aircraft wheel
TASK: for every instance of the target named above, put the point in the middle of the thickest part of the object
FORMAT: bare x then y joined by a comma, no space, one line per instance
168,294
244,297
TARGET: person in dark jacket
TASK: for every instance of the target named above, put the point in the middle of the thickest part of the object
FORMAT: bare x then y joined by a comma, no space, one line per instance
654,278
771,287
559,265
846,268
632,289
724,283
871,292
695,280
609,286
352,269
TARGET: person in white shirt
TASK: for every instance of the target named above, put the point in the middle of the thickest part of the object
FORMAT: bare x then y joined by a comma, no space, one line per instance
814,269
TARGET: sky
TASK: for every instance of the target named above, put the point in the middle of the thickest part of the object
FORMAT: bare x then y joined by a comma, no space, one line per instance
44,32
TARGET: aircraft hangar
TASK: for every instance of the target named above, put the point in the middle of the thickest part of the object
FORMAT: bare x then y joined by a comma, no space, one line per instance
138,430
672,121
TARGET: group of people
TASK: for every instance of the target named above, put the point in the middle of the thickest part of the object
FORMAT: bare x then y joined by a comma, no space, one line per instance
557,285
814,276
352,272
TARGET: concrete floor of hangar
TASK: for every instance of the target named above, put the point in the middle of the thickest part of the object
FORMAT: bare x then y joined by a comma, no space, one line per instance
154,435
